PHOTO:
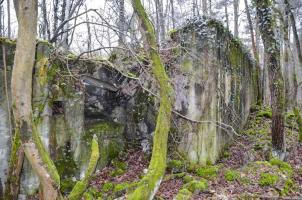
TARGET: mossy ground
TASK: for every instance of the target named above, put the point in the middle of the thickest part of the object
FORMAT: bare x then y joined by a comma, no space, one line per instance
245,171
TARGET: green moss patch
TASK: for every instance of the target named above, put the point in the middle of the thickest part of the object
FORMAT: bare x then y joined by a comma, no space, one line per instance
265,112
107,187
187,178
197,186
289,186
283,166
207,171
231,175
183,194
267,179
175,165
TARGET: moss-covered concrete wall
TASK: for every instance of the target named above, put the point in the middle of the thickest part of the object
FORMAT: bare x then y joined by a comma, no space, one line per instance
215,84
59,106
5,133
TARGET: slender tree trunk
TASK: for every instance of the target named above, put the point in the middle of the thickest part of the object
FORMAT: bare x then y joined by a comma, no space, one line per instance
226,15
272,50
45,26
8,20
295,32
236,17
286,50
160,20
21,86
1,21
88,33
55,16
121,23
65,35
255,53
150,183
173,14
205,7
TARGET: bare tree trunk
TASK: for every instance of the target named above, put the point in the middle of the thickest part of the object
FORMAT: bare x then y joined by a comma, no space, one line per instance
226,15
295,32
194,8
45,25
88,33
55,16
160,20
151,181
173,14
272,50
286,45
65,35
236,16
8,20
121,23
255,53
21,86
1,21
205,7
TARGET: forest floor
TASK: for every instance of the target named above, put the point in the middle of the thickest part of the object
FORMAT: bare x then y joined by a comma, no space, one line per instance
245,171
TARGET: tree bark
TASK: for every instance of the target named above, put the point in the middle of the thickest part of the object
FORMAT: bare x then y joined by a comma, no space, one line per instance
21,86
151,181
236,17
286,49
205,7
121,22
173,14
226,14
8,20
295,32
255,53
272,50
45,25
160,21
